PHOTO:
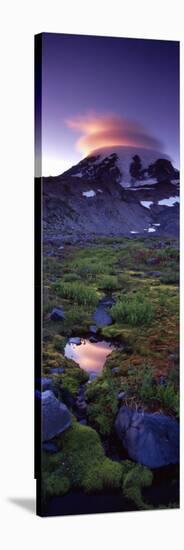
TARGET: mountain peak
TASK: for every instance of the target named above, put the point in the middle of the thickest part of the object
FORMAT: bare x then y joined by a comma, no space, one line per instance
130,166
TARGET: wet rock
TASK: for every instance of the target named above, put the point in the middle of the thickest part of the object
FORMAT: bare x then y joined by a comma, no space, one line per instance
150,439
101,317
57,314
93,340
56,417
93,329
75,340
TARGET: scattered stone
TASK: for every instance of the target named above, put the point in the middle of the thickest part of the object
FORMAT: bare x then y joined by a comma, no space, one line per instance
56,417
83,421
150,439
57,314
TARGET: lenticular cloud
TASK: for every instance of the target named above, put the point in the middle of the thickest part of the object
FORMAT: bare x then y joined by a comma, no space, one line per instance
107,130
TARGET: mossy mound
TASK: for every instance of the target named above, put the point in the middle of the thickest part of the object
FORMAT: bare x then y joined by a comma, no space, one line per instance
134,480
71,380
81,464
102,404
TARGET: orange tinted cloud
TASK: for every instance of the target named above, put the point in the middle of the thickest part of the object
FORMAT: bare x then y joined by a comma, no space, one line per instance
108,130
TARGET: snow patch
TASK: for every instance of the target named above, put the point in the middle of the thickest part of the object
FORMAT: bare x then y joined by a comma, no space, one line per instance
134,232
89,194
146,204
170,201
77,175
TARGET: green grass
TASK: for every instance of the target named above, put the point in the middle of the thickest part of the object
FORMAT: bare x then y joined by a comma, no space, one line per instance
133,310
77,292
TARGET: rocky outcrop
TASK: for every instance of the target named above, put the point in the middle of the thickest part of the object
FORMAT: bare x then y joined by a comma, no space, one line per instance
56,417
150,439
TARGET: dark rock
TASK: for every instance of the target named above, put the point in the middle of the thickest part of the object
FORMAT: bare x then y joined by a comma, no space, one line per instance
56,417
81,405
150,439
57,314
162,381
50,447
93,329
93,340
101,317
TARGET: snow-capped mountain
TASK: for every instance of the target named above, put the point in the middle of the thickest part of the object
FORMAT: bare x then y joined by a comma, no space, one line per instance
113,191
129,166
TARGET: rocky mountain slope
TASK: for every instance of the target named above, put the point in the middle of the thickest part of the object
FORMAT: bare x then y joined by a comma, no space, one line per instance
113,192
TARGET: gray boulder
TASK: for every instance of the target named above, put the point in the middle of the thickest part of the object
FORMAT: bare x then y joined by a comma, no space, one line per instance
57,314
56,417
150,439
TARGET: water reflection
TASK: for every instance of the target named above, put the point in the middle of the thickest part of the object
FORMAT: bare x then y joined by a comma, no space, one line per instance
90,356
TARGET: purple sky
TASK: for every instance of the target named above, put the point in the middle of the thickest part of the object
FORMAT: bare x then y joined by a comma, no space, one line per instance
116,88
